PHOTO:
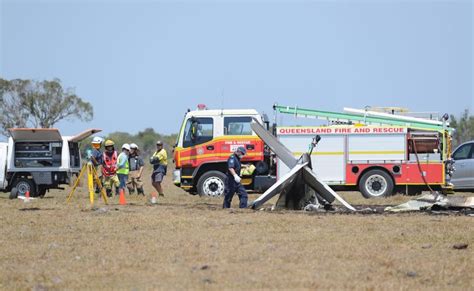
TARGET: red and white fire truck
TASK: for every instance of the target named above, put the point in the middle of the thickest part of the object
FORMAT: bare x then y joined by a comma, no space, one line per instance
205,142
375,155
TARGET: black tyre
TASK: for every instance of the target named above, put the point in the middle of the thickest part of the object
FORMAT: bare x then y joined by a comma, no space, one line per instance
42,192
24,185
13,193
211,184
376,183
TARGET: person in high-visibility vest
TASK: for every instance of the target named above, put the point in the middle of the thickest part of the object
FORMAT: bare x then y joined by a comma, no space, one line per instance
123,167
159,160
109,168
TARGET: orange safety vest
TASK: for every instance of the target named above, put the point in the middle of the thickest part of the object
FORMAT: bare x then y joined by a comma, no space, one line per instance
109,166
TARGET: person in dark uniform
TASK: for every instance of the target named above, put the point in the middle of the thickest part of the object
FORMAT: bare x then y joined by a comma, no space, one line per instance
232,180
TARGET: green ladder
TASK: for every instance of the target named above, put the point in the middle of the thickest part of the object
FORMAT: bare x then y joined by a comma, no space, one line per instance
367,119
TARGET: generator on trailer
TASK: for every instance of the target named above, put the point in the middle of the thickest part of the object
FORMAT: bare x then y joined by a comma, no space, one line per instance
35,160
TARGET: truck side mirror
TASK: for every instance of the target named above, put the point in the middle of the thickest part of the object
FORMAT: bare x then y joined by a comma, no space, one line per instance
194,130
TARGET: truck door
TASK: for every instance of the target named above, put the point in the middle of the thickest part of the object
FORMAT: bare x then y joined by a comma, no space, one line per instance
463,177
197,132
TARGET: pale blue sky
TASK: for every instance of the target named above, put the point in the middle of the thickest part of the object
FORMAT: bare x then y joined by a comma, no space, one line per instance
143,63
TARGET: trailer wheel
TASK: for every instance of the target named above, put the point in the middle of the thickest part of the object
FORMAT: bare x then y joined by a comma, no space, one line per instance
42,192
211,184
375,184
24,185
13,193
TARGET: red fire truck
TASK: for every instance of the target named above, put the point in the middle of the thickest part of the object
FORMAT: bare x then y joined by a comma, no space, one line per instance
373,153
205,142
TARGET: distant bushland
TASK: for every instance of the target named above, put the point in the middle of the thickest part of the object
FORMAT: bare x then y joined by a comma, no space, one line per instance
145,139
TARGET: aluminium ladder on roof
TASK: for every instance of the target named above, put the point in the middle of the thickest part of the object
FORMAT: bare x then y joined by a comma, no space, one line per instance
367,117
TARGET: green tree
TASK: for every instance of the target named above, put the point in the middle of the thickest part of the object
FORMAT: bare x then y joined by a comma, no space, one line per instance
12,110
464,127
39,104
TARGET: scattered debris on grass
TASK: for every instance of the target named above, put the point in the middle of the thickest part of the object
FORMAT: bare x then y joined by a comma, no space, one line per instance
435,203
460,246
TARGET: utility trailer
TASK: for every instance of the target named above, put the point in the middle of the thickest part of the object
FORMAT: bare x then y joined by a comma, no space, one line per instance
35,160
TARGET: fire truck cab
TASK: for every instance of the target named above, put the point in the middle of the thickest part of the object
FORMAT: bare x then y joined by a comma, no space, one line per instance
206,140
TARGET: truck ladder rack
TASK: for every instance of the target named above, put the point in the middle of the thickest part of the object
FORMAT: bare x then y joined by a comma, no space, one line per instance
364,117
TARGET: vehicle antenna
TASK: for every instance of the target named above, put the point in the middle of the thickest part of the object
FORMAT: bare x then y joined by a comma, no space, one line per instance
222,102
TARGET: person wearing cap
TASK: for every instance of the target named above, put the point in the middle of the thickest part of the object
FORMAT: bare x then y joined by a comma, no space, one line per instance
159,160
232,180
136,170
123,167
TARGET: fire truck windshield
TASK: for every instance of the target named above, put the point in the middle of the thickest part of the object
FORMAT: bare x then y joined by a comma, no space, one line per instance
198,131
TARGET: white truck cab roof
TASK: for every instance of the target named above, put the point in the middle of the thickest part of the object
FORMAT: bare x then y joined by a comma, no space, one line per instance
223,112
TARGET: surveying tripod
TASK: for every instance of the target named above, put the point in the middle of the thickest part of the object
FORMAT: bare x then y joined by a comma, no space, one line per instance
92,177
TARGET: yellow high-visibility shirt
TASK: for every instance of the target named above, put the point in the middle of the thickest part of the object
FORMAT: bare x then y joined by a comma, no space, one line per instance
162,157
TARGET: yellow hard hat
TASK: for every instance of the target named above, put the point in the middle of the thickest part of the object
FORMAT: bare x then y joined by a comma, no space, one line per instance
109,143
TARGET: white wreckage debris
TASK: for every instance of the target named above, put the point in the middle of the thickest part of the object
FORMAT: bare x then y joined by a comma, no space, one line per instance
298,188
26,199
434,201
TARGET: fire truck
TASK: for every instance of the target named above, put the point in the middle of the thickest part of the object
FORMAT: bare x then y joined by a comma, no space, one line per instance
206,140
375,153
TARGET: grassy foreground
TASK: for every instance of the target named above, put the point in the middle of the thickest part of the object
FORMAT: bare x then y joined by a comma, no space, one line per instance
188,242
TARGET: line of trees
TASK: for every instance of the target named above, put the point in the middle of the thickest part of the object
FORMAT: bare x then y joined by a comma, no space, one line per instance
29,103
146,141
464,126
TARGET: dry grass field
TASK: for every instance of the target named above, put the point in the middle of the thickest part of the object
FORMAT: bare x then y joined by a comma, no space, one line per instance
188,242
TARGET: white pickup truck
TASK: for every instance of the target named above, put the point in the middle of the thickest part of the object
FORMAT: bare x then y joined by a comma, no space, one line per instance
35,160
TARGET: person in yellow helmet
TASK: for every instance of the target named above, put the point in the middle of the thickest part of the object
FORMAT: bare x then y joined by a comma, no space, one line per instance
109,168
96,158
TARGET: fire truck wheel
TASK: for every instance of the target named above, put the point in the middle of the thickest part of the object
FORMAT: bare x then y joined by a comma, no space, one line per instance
211,184
24,185
376,183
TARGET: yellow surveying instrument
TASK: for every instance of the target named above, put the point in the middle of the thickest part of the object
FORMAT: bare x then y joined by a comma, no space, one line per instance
92,177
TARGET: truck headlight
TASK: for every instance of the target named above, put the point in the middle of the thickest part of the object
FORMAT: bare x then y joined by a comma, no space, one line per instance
177,177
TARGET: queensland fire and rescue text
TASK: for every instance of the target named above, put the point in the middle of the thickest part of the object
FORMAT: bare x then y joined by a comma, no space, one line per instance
340,130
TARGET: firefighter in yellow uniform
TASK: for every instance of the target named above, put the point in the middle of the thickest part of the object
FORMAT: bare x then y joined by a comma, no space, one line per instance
159,160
